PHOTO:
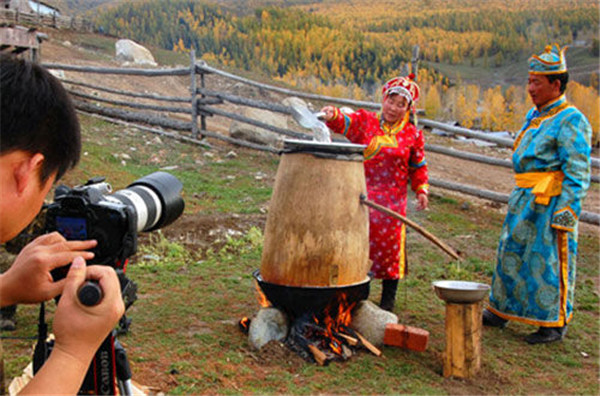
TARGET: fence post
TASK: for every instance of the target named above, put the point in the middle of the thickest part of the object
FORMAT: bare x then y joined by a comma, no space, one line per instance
202,116
414,63
193,93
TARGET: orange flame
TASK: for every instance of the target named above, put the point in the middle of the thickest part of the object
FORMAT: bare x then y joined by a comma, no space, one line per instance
260,296
245,322
336,347
335,324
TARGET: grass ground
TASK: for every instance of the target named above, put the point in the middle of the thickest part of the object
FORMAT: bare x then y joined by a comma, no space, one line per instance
195,284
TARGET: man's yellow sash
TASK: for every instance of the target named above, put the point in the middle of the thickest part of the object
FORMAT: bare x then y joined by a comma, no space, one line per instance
544,184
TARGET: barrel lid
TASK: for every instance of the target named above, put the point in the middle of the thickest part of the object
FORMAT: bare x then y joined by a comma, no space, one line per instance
335,149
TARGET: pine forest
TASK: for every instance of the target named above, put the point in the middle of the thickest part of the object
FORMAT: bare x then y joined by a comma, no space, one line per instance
472,54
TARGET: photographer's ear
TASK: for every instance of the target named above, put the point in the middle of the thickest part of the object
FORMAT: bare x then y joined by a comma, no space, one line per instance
27,171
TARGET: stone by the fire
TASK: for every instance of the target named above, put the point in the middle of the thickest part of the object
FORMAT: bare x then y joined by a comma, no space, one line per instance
269,324
370,321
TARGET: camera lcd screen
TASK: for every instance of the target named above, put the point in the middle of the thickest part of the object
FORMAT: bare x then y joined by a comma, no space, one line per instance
72,228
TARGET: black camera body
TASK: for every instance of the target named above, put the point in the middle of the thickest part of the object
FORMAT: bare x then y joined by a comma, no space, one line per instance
88,212
84,213
114,220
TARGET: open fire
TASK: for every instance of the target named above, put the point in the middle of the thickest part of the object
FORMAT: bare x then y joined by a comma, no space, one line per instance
320,336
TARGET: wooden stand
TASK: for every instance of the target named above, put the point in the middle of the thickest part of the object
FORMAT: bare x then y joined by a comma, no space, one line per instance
463,340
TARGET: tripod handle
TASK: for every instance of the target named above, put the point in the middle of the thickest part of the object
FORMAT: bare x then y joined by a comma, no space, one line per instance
90,293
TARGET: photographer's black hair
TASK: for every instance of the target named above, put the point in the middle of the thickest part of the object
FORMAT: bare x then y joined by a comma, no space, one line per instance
37,116
562,77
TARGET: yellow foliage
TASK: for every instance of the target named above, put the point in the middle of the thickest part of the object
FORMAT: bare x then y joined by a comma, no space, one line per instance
586,99
433,102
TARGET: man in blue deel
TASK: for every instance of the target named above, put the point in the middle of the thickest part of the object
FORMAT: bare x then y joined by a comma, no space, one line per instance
534,278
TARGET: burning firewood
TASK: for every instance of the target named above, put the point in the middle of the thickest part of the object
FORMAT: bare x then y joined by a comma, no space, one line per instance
320,357
374,350
350,340
244,325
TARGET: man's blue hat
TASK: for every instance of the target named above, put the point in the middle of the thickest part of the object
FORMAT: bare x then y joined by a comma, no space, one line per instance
552,61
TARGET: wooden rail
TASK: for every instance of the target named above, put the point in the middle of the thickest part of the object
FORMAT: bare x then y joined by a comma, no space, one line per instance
202,103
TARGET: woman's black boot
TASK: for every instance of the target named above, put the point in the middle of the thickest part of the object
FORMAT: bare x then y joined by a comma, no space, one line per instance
388,294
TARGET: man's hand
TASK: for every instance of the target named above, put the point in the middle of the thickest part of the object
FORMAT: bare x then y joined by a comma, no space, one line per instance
79,330
29,280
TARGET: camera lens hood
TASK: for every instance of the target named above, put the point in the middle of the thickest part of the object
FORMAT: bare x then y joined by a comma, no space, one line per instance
168,189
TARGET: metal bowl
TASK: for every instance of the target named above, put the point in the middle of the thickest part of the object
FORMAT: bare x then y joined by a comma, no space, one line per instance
461,292
333,150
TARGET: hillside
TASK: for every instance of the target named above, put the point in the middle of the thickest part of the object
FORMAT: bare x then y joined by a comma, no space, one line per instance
351,41
471,64
79,7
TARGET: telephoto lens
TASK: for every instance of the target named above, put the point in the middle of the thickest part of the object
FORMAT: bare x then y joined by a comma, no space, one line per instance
155,199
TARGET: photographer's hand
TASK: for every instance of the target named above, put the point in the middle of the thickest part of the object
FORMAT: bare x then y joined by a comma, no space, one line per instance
79,330
28,280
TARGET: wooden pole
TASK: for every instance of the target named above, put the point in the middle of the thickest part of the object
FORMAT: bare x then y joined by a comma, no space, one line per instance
202,116
414,62
193,93
462,358
412,224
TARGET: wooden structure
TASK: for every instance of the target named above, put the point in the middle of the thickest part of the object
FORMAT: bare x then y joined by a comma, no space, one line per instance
31,18
18,39
317,231
462,357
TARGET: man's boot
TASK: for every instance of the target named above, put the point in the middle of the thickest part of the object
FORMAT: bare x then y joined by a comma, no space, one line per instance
545,335
493,320
8,320
388,294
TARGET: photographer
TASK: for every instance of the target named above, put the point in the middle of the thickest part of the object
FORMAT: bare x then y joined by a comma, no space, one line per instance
40,141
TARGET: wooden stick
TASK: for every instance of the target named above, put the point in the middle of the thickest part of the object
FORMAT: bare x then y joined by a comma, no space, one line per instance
412,224
346,352
350,340
374,350
319,356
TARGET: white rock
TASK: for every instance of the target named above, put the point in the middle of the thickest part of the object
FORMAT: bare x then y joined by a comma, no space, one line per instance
269,324
129,51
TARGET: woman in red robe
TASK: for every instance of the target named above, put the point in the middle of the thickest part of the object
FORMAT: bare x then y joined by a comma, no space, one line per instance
394,155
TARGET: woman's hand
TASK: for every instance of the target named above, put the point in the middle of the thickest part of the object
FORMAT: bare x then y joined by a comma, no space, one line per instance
422,201
329,112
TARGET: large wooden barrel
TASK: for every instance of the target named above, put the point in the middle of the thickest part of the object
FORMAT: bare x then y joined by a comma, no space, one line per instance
317,231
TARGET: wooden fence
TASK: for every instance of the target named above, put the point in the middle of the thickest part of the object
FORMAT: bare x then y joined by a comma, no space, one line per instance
202,103
9,16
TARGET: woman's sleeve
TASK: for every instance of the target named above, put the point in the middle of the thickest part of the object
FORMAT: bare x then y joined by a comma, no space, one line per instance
417,167
348,124
574,151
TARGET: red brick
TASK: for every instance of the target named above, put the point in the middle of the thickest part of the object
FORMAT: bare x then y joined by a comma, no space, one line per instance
407,337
